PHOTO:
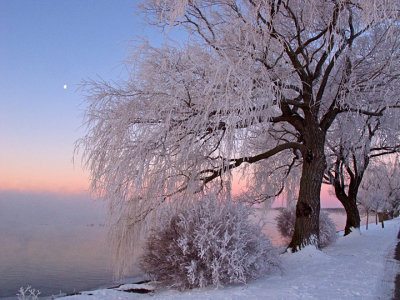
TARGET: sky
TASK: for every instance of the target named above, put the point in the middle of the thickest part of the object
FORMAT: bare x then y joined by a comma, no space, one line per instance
47,47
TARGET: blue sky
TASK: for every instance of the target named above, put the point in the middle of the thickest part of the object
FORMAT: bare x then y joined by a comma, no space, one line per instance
45,44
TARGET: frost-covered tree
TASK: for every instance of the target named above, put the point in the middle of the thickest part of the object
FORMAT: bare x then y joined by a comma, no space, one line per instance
209,242
380,188
189,115
353,142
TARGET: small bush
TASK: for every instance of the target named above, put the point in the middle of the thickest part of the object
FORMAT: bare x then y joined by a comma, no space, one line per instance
210,243
28,293
285,222
327,229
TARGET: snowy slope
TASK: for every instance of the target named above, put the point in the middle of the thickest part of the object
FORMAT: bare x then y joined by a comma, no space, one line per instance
358,266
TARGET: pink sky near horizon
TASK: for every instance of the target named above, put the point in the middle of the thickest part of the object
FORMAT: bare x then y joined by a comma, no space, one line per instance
328,199
59,182
43,167
44,178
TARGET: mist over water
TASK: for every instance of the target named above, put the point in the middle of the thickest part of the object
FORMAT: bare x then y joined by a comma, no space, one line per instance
53,243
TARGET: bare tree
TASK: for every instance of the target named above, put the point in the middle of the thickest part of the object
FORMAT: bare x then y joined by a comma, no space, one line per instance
190,114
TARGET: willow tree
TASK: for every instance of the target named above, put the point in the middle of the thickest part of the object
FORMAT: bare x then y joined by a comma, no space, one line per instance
190,114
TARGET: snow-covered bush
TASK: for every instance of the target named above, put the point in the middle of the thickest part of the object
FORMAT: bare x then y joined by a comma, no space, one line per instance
209,243
285,222
28,293
327,229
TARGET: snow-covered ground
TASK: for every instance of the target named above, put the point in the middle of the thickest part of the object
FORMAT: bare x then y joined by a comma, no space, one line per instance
359,266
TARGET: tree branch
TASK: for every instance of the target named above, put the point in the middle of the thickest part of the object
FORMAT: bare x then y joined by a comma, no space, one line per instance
234,163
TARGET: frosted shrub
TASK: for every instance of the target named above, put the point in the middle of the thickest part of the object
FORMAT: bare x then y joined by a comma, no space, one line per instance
209,243
28,293
285,222
327,229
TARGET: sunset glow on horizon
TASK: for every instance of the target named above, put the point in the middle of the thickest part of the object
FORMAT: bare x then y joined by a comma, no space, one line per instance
65,183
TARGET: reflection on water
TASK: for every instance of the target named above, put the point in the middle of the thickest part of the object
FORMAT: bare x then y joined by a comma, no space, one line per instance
58,244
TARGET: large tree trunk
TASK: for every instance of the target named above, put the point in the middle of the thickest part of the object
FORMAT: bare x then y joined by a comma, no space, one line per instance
306,231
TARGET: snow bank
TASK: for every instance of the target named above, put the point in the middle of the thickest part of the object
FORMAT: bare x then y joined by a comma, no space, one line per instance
358,266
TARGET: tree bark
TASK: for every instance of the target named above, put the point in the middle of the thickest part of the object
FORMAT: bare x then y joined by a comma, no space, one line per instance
306,231
349,199
352,214
353,219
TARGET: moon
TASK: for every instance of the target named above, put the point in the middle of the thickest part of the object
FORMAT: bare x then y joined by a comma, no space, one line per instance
65,86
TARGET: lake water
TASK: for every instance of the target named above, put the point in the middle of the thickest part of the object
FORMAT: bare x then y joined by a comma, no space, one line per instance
52,243
58,245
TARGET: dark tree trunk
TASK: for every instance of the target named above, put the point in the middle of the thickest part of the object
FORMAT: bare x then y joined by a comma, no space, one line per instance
306,231
350,205
349,200
352,215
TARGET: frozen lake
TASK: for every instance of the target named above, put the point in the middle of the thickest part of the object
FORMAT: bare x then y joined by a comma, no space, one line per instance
58,244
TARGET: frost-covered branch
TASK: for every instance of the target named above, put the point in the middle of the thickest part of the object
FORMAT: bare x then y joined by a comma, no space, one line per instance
236,162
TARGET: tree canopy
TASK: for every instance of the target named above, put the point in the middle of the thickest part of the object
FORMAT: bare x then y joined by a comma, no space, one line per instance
255,80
